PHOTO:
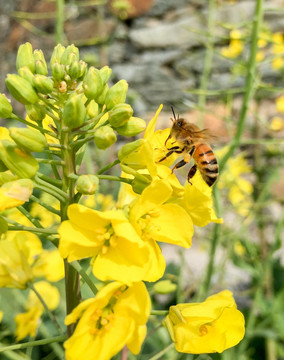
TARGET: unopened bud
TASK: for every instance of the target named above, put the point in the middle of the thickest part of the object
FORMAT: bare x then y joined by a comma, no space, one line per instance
21,163
57,71
26,73
101,98
87,184
92,109
43,84
21,89
35,112
62,87
57,54
40,63
133,127
129,148
116,94
140,182
92,84
120,114
5,107
105,73
66,59
104,137
74,70
83,68
28,139
3,225
164,287
25,57
74,112
6,176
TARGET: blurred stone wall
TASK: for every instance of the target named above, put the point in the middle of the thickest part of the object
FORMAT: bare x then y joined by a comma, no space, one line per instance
158,46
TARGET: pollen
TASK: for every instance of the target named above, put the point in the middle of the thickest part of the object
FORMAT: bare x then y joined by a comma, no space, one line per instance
104,249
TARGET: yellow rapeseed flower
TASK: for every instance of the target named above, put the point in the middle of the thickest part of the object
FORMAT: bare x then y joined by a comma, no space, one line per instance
28,322
15,193
276,124
114,318
211,326
117,250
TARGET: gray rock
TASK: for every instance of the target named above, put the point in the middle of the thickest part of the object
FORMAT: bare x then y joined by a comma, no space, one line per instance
169,34
160,7
4,26
225,81
194,62
159,57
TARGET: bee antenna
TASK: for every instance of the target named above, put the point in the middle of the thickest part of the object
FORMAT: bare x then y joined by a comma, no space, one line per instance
173,112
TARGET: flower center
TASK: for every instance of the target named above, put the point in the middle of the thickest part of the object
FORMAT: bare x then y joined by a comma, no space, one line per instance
148,225
101,319
203,330
108,239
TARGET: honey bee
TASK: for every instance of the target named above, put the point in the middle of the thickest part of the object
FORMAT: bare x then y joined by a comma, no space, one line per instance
193,143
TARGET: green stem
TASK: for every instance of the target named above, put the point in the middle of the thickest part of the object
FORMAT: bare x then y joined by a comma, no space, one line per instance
50,192
49,313
28,215
50,180
109,166
31,124
207,60
76,265
59,27
160,312
60,338
53,167
32,229
114,178
43,204
51,162
47,185
249,90
79,143
180,292
161,353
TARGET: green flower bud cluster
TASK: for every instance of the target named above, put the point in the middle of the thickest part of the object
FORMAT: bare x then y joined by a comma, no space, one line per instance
76,98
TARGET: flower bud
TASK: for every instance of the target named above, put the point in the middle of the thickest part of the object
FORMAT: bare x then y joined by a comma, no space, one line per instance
87,184
35,112
21,163
83,68
3,167
66,59
25,57
92,84
101,98
57,71
92,109
140,182
129,148
105,73
164,287
43,84
3,225
57,54
116,94
74,112
21,89
104,137
74,70
40,63
120,114
26,73
5,107
134,126
28,139
6,176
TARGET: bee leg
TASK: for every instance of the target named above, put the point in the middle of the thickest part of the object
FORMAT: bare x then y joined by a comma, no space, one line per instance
179,165
191,173
172,150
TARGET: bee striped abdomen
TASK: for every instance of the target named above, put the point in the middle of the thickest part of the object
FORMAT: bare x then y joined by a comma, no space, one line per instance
206,163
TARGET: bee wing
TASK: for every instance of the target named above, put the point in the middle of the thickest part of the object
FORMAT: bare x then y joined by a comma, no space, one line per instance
202,135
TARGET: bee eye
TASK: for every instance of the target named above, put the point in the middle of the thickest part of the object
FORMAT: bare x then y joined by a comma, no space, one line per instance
179,123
